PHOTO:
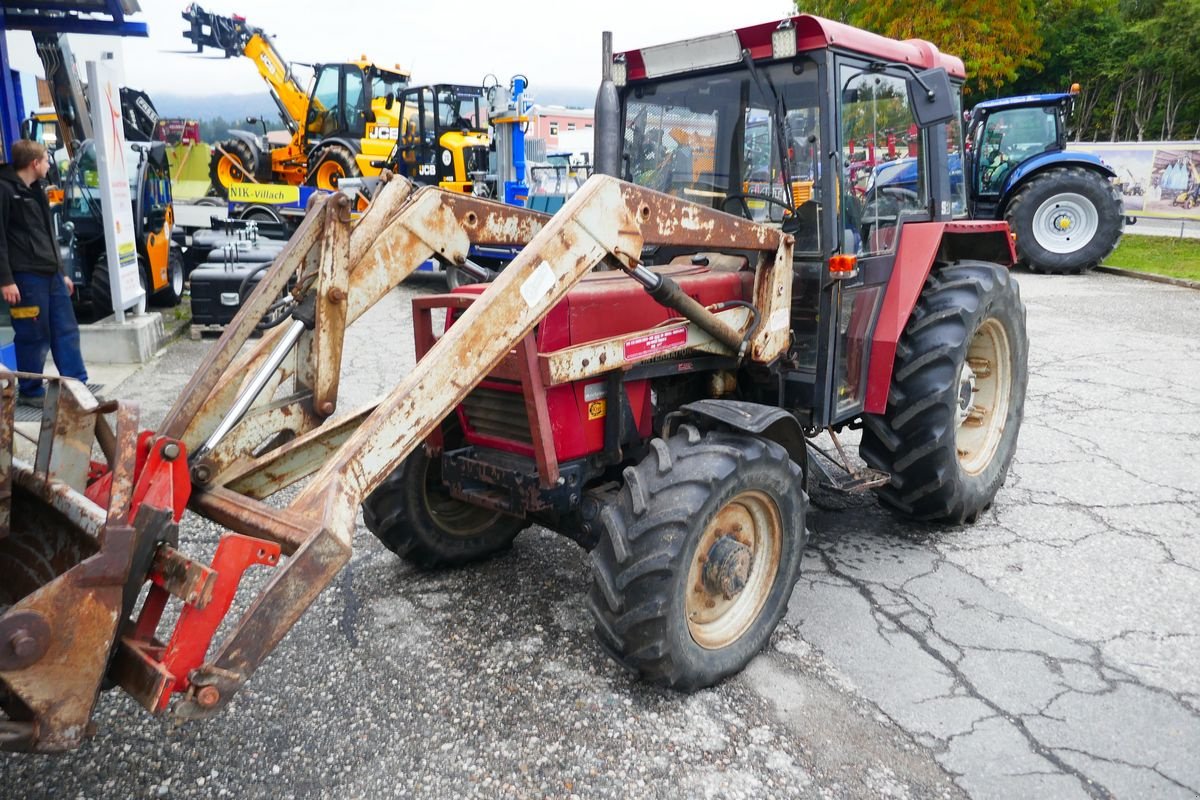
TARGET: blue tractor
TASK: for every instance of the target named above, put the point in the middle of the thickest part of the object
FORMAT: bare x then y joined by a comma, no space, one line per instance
1063,207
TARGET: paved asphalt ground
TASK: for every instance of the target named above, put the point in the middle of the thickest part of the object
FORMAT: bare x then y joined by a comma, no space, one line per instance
1050,651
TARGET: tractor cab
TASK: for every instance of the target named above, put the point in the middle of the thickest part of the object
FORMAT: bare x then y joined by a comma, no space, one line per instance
1005,135
763,123
444,137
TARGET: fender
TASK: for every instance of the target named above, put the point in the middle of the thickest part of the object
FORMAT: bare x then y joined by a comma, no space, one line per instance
1039,163
921,244
353,145
769,422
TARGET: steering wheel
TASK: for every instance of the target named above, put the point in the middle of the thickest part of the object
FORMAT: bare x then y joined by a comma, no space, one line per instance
742,197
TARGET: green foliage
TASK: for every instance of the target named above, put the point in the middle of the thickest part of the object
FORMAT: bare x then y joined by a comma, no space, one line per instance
1138,61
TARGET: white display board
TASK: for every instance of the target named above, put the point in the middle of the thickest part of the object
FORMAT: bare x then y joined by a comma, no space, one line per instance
116,195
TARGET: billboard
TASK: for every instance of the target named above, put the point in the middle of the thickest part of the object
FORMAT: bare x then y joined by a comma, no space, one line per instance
1156,179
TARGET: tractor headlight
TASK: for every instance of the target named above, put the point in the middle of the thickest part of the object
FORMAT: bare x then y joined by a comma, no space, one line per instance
783,40
619,74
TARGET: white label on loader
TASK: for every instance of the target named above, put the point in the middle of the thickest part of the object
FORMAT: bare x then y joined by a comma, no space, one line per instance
538,285
779,320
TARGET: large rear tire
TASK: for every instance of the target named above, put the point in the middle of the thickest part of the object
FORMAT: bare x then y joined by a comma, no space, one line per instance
698,556
957,396
1066,220
329,164
100,287
416,518
233,161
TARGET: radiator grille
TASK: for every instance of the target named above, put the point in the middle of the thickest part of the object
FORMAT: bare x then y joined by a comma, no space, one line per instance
498,414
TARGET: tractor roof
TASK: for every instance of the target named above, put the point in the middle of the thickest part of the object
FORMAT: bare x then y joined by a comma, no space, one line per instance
812,33
1024,101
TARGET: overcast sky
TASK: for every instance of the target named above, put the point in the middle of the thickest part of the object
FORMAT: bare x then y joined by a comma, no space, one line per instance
553,43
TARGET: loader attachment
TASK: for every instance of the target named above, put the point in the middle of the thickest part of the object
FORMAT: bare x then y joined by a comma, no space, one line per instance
259,417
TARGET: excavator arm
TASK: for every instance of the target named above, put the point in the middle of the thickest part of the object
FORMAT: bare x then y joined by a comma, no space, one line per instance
234,37
255,420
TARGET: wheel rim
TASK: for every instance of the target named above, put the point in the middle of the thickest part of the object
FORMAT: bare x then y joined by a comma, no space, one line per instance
230,170
1065,223
733,569
451,515
328,175
177,278
984,392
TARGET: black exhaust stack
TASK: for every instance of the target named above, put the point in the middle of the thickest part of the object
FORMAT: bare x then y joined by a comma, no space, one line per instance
607,143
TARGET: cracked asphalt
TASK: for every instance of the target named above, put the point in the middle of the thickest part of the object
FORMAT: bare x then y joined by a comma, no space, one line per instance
1052,650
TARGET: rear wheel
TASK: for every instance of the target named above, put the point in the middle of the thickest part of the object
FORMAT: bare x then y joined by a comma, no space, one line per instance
332,163
1066,220
100,287
957,396
172,294
233,161
698,556
416,518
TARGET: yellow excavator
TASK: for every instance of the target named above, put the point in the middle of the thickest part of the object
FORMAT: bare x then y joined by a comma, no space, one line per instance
347,124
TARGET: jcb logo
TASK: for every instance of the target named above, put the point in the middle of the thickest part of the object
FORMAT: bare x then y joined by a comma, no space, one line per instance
426,170
383,132
270,65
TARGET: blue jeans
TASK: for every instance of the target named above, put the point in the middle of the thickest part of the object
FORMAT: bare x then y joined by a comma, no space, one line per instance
45,321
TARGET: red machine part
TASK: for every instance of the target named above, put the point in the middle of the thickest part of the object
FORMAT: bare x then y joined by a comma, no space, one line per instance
603,305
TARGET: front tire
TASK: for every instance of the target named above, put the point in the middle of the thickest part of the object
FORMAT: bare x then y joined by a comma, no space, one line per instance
329,165
698,556
957,396
417,519
1066,220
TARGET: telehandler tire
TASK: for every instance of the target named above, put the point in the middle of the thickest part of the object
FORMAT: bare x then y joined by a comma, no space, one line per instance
329,165
698,556
957,396
1066,220
171,295
417,519
236,164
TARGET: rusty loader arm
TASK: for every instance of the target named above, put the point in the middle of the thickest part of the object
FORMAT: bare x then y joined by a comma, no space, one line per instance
255,420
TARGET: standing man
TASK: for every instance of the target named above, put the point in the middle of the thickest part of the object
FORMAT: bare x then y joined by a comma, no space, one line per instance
32,279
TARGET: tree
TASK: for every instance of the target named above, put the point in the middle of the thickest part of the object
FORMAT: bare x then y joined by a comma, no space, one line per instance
994,39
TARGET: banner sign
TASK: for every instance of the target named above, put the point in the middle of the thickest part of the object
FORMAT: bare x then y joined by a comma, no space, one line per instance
116,195
1156,179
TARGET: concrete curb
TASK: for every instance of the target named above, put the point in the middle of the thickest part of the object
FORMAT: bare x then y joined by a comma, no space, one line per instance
1147,276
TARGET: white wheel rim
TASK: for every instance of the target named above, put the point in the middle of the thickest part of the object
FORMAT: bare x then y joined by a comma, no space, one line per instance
1065,223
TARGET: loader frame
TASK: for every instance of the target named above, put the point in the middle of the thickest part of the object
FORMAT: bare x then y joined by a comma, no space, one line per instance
255,420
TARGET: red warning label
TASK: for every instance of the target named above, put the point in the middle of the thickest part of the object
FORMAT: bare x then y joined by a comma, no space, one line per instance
657,342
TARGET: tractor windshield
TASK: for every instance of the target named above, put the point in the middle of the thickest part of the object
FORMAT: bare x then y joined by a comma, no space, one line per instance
461,108
713,140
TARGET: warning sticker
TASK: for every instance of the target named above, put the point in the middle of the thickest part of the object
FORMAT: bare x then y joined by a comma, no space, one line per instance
657,342
538,285
597,409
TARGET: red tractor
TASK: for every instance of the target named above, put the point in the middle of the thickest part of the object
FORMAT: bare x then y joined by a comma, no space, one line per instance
647,377
684,472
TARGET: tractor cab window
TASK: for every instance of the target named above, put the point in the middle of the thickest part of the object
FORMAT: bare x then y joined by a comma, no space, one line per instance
1008,137
323,109
385,83
460,111
732,143
890,183
956,161
354,104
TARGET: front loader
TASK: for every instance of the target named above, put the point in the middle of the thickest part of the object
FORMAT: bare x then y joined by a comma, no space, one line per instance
648,377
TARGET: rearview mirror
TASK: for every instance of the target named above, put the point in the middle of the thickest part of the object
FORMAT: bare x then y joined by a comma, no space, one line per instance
931,97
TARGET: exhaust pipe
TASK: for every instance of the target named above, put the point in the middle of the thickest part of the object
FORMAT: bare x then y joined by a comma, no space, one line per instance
608,138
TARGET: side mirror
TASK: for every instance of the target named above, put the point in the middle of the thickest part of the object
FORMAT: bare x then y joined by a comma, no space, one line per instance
251,120
931,98
389,100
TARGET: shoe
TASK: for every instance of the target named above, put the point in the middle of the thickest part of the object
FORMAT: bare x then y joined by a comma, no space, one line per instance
32,400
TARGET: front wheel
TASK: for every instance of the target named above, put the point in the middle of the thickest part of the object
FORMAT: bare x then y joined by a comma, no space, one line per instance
957,396
698,556
172,294
1066,220
416,518
329,165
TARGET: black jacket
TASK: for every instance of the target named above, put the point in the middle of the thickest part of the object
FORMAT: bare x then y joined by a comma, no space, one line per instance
27,243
